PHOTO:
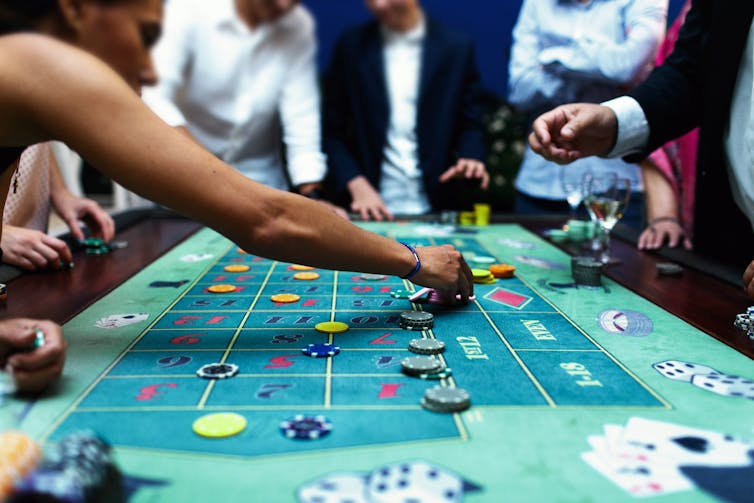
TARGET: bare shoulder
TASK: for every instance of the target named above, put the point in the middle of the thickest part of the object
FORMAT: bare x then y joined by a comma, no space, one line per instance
38,72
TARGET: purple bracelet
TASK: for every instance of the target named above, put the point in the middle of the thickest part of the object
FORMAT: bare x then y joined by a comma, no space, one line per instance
418,261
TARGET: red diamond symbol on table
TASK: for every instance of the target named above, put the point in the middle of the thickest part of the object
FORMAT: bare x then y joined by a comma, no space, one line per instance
508,298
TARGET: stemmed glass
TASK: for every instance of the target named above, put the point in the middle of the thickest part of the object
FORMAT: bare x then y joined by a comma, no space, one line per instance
606,198
572,181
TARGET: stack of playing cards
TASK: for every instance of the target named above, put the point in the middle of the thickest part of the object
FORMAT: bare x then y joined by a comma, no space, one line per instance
649,458
409,481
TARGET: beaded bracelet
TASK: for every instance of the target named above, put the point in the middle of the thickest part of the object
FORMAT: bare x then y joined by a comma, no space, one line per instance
418,261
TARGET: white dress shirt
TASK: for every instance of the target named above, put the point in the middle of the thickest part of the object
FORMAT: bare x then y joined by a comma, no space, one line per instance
242,91
566,51
401,185
633,131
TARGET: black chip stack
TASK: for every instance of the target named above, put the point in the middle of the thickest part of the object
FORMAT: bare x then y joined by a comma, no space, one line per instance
416,320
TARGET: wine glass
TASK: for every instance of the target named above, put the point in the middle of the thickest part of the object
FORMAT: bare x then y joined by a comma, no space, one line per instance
572,181
606,199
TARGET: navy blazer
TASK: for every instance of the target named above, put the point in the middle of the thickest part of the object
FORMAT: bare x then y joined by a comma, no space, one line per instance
356,109
694,87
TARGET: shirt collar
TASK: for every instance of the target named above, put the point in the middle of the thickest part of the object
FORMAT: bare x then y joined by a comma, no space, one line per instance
413,36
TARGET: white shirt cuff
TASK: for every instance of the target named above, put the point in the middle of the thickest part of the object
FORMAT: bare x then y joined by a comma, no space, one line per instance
633,130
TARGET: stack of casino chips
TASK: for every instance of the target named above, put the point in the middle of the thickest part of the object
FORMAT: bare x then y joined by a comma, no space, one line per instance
96,246
19,455
745,322
416,320
78,469
586,271
446,399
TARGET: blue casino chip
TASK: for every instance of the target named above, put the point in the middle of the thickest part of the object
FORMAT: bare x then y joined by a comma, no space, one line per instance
321,350
306,427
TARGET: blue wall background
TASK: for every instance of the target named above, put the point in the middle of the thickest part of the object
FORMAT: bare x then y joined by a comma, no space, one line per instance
489,22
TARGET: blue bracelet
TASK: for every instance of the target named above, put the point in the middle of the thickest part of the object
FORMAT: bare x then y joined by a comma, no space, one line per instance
418,261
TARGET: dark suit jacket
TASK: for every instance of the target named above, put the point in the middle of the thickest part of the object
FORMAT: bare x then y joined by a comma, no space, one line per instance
356,109
694,87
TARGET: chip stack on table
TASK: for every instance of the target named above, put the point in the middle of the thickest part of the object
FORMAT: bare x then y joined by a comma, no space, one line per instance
442,399
668,269
3,292
416,320
502,270
426,346
417,365
586,271
482,214
94,246
19,455
745,322
372,277
77,469
482,276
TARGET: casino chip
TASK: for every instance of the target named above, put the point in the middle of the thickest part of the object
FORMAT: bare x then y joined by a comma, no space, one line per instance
306,276
299,267
442,399
426,346
285,298
321,350
217,370
221,288
482,276
416,365
502,270
481,259
401,294
220,425
668,268
331,327
416,320
306,427
236,268
443,373
372,277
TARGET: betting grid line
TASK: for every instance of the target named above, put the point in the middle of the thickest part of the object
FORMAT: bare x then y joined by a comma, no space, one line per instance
606,353
211,384
328,368
89,388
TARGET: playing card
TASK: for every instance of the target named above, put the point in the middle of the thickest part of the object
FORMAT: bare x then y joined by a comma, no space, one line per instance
120,320
640,480
684,445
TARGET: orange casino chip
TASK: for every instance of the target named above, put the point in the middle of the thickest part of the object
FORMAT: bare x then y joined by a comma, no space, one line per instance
241,250
236,268
306,275
299,267
502,270
285,298
222,288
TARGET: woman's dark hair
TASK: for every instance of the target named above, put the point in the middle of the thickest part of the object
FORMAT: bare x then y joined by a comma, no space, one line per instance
24,14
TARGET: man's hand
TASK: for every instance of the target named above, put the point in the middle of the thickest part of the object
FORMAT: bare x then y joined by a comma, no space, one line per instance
469,169
574,131
366,201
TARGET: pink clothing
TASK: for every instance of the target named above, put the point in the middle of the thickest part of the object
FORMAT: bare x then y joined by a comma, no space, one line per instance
676,160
